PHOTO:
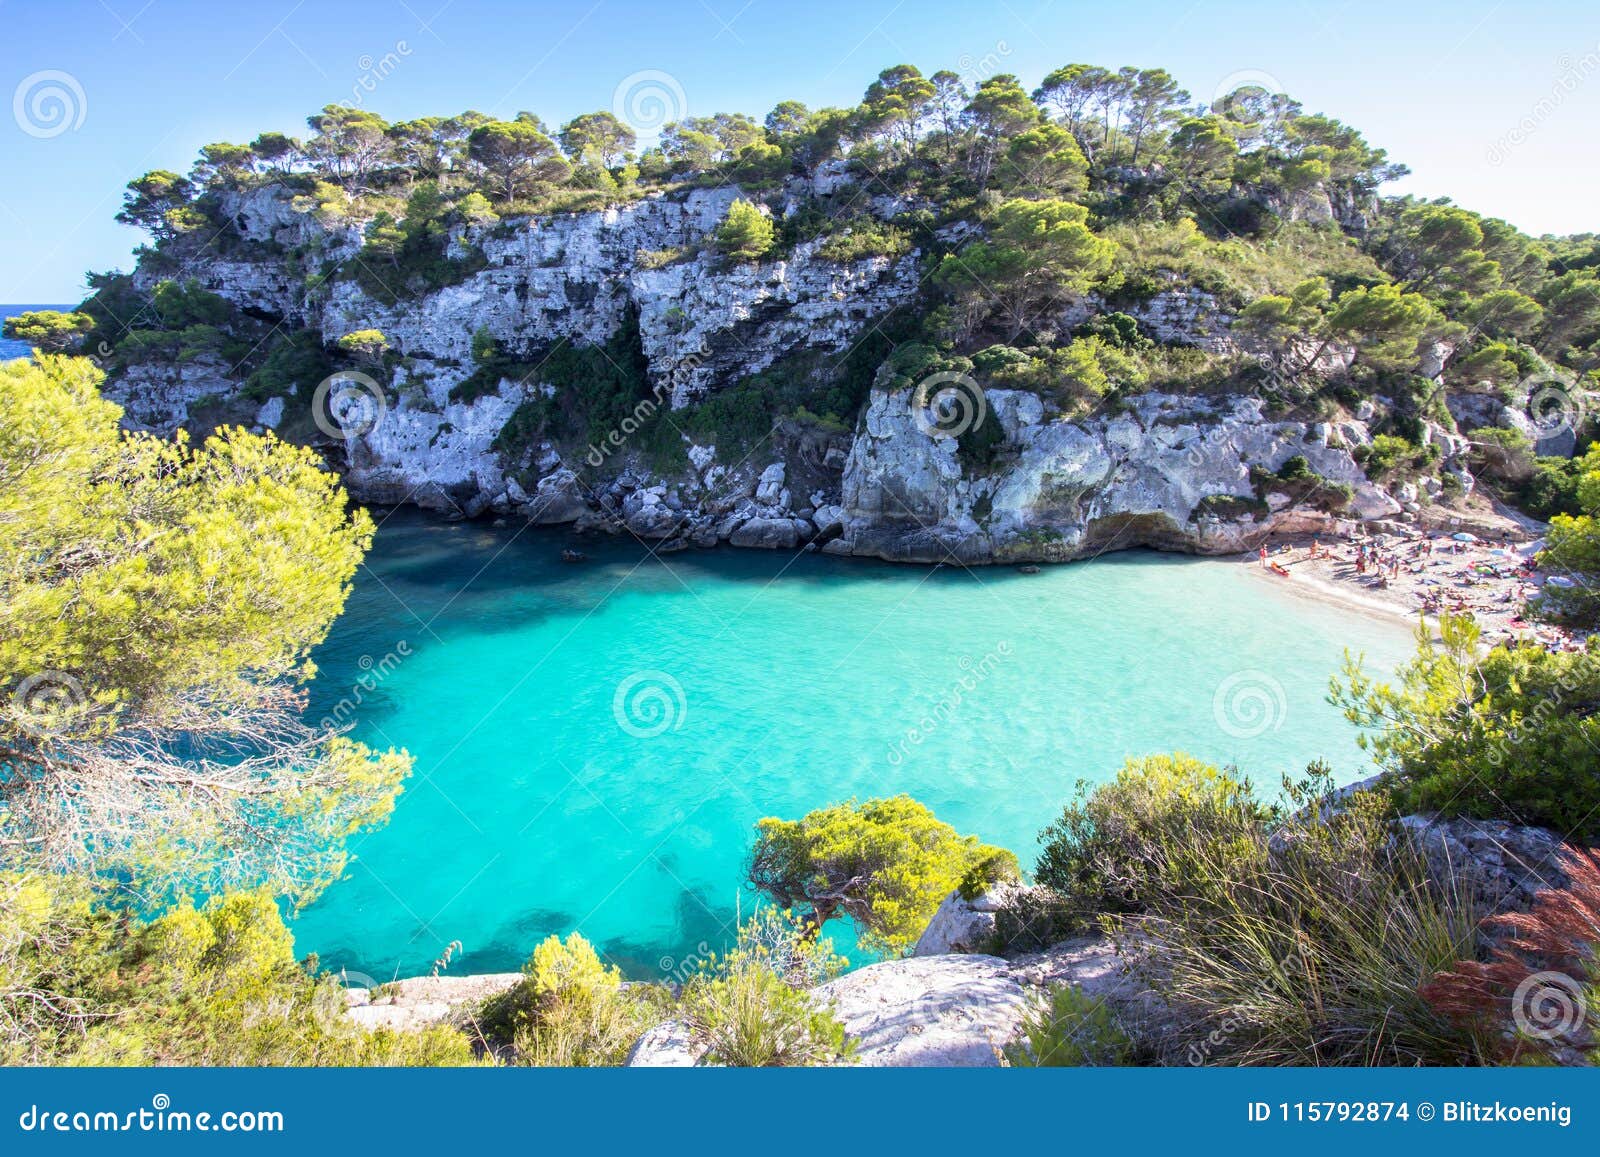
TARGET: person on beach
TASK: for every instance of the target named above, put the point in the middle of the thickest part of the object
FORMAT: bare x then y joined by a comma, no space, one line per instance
1263,555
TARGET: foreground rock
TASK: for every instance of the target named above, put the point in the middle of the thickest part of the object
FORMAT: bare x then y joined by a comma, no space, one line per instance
963,925
930,1011
1495,866
667,1046
423,1000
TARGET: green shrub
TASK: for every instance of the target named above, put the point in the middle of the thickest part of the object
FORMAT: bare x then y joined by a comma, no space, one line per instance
752,1008
864,237
1501,453
1229,507
1310,954
886,864
1084,370
1155,828
1295,469
1551,488
659,258
746,233
996,359
82,983
1387,453
1504,735
294,365
1072,1029
569,1009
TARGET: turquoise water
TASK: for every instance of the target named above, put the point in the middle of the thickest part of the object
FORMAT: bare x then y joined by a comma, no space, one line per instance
593,742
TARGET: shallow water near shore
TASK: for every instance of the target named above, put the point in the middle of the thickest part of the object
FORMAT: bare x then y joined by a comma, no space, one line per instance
595,741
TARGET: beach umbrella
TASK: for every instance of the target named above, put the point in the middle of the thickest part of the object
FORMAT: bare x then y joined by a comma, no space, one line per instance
1463,536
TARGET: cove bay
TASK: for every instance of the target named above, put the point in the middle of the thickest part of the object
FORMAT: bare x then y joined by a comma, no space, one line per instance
595,741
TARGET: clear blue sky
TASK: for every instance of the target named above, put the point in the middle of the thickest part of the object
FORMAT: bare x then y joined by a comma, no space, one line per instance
1442,86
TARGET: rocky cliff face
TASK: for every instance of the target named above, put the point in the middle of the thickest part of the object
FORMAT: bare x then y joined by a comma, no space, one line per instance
1150,476
1171,472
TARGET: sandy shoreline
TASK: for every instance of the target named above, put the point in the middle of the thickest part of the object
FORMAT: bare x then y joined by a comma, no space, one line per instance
1488,579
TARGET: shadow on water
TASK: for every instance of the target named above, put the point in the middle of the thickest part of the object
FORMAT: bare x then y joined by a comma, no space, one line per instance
699,929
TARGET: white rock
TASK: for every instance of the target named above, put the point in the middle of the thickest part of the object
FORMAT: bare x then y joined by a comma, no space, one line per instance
771,484
767,533
930,1010
666,1046
962,925
270,413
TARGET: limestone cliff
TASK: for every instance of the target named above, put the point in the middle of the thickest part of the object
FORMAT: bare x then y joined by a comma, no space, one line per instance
1174,472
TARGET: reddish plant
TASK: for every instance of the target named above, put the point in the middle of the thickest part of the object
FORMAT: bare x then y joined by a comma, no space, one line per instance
1538,969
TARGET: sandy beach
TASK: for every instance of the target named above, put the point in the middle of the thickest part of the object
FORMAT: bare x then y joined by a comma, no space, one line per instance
1416,572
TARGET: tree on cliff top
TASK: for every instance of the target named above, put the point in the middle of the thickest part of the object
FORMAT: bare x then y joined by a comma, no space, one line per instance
517,155
159,601
886,864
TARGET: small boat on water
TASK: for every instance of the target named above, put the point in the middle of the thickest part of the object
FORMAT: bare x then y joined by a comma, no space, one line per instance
1279,569
574,556
1029,569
